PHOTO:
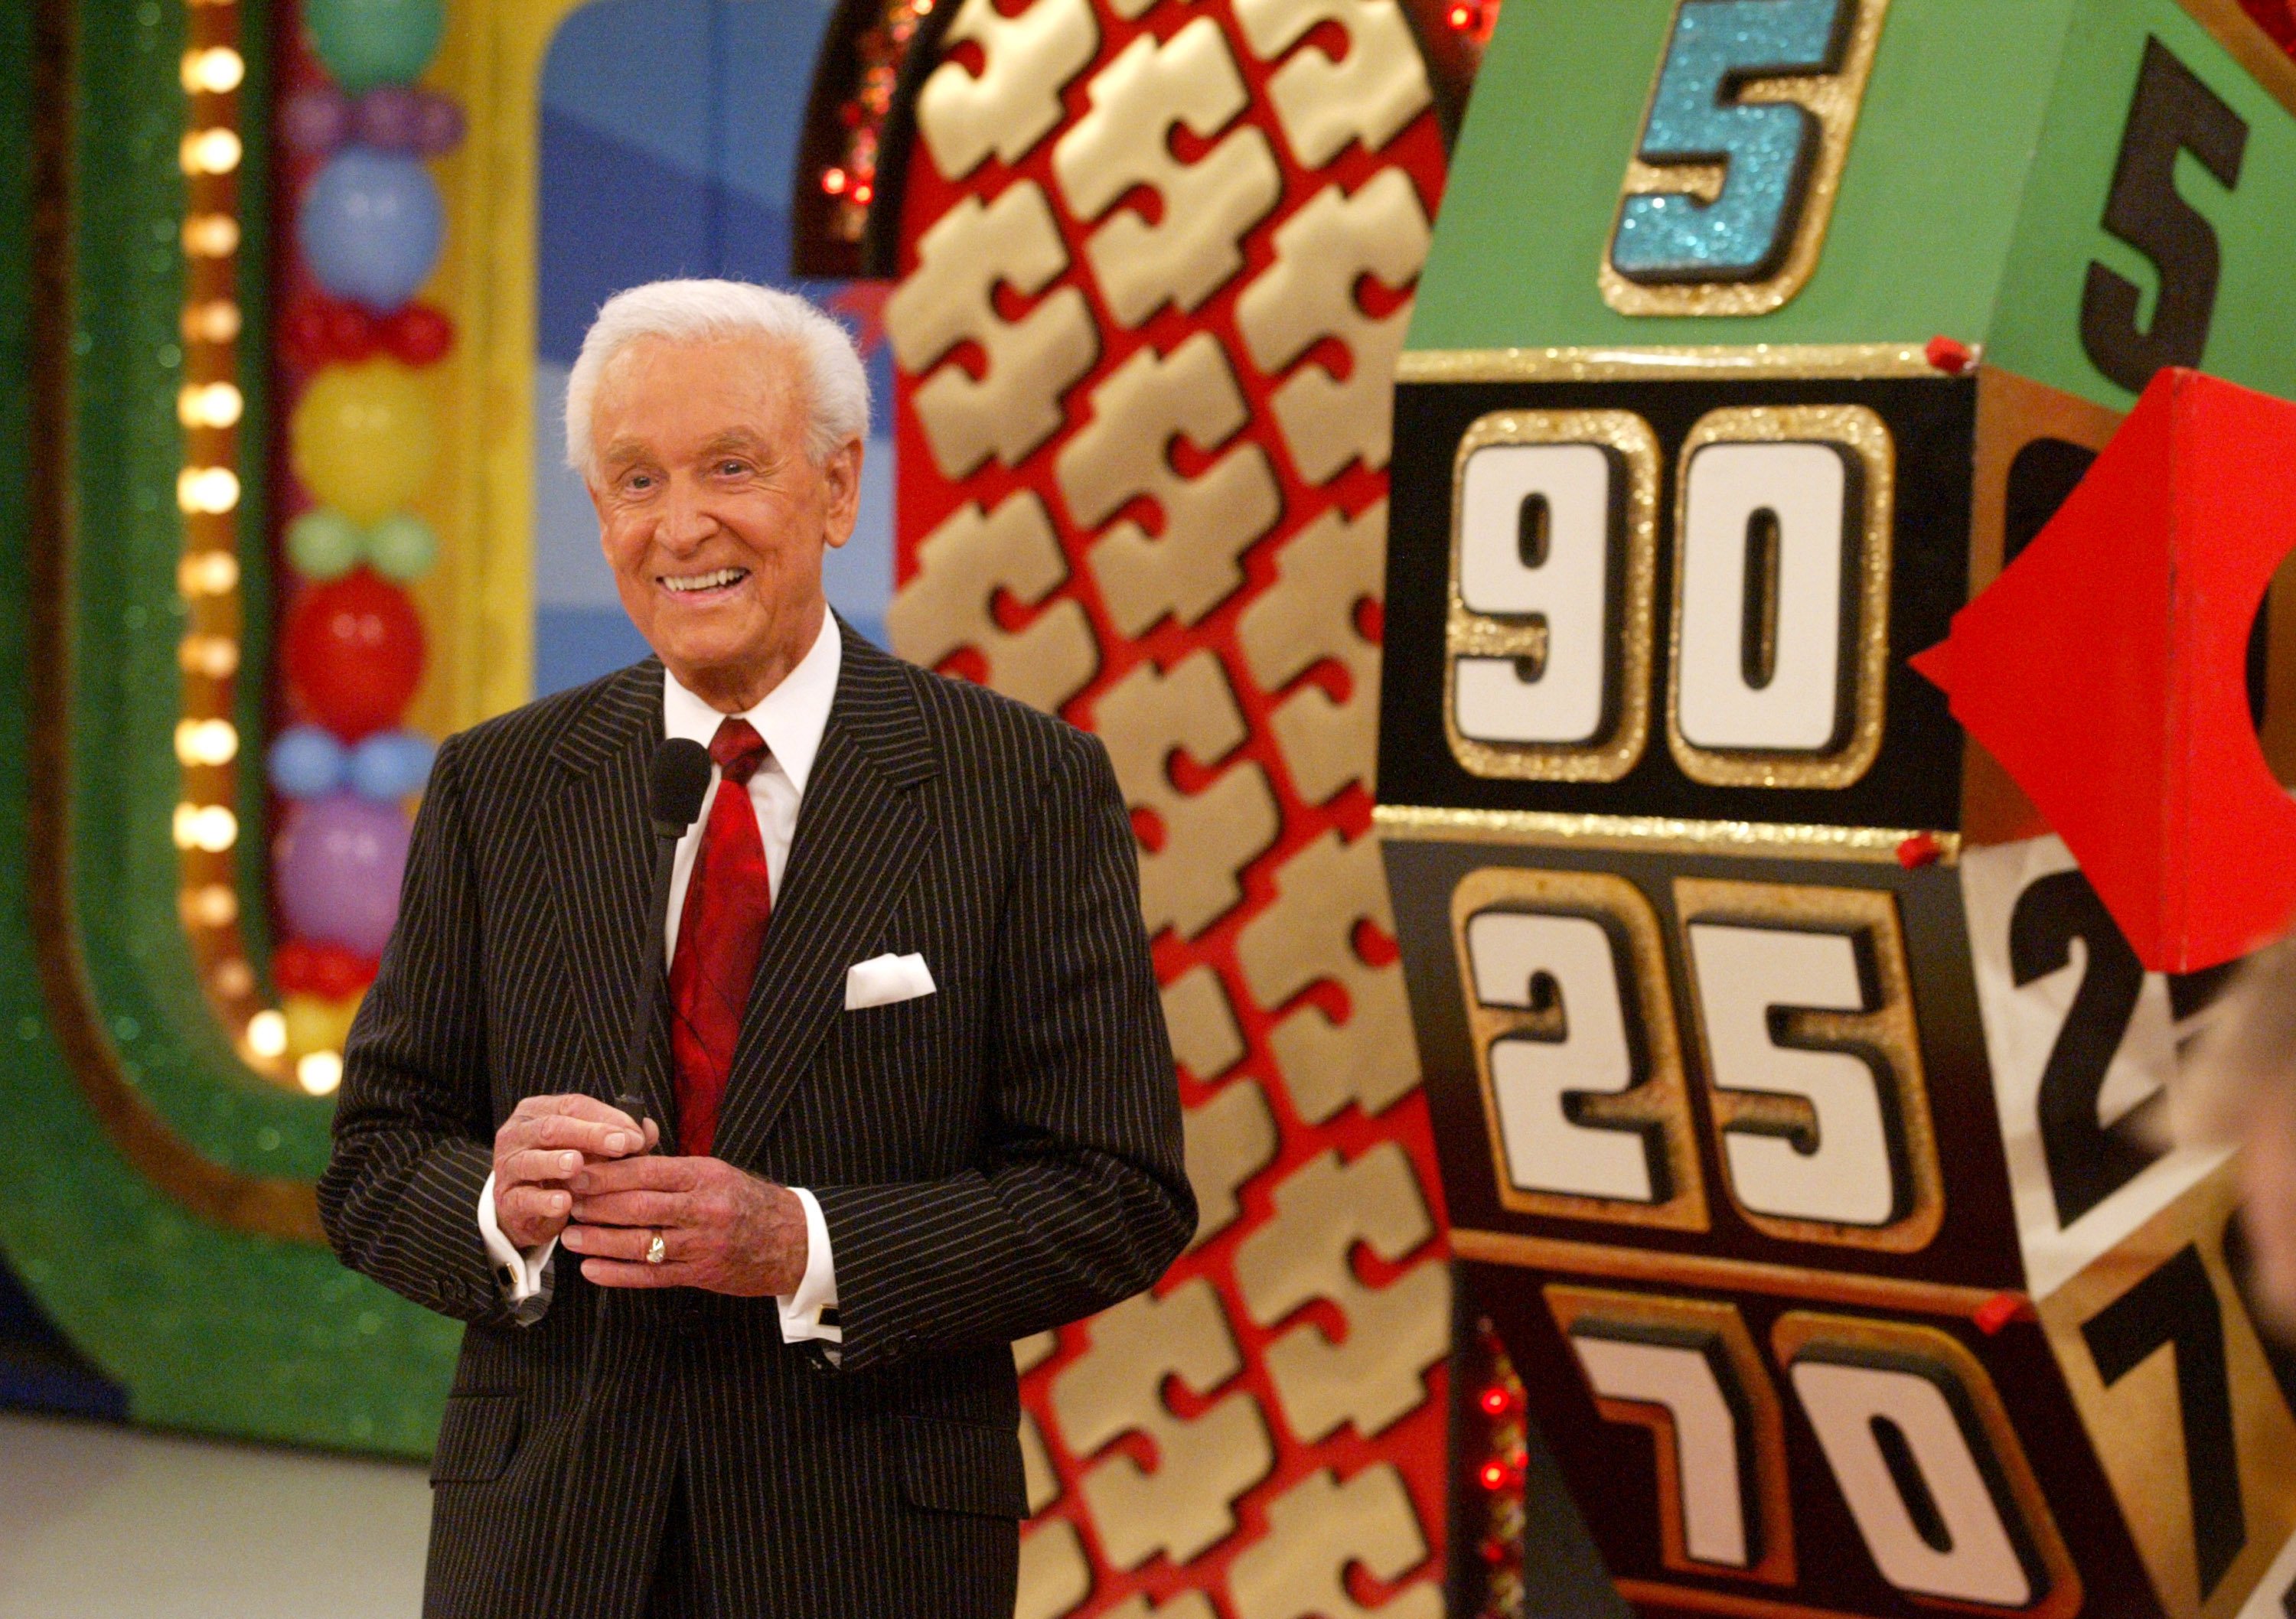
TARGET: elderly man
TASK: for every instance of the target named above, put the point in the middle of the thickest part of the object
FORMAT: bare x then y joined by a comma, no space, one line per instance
911,1095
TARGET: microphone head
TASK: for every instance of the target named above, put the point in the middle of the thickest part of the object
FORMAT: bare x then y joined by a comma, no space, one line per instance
675,788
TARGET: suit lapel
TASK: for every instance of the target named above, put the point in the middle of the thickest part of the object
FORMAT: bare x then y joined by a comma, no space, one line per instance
860,835
602,851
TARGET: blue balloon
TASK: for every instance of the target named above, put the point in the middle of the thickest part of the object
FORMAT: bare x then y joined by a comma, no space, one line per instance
306,762
391,764
371,227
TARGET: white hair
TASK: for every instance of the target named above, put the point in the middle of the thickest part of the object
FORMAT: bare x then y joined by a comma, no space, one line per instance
705,311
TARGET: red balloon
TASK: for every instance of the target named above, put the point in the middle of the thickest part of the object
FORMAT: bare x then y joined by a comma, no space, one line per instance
418,334
303,333
352,333
294,968
354,653
337,974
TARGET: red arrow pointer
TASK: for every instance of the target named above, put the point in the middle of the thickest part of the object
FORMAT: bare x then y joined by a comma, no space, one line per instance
2105,670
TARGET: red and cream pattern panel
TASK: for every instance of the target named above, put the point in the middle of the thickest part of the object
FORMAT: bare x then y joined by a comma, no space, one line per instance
1156,265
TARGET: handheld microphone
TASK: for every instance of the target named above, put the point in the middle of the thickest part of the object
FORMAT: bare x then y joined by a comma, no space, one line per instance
675,788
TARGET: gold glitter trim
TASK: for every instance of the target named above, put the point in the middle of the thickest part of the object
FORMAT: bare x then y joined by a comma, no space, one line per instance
1659,1100
1632,450
1832,100
1655,834
1559,1256
1854,429
1686,362
1885,1036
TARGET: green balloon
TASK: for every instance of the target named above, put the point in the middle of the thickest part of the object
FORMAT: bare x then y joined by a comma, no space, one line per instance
366,43
324,543
401,547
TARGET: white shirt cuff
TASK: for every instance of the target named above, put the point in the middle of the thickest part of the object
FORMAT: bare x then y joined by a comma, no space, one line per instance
816,1289
525,1269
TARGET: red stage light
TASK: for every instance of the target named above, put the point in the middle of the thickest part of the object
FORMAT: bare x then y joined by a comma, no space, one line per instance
1493,1475
1495,1402
863,193
1465,16
833,181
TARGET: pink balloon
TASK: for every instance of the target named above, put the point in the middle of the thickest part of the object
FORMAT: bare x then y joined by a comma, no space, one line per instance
391,117
439,125
316,119
337,869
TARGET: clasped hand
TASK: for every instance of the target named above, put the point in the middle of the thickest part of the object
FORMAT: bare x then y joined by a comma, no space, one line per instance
574,1168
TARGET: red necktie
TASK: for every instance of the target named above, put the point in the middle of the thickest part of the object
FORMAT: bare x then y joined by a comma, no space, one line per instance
720,933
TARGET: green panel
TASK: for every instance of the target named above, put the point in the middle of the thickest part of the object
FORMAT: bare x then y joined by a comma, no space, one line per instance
1920,238
2253,339
206,1329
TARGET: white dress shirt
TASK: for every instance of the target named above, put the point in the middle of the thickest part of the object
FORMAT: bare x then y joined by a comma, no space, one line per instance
790,718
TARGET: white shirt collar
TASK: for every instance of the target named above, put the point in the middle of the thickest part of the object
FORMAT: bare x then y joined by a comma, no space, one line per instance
791,716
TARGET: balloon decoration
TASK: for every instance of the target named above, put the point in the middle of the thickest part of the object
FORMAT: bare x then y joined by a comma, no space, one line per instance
325,544
338,867
363,440
366,43
353,653
363,437
371,225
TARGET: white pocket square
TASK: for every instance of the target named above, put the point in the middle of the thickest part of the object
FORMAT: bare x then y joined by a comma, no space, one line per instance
884,980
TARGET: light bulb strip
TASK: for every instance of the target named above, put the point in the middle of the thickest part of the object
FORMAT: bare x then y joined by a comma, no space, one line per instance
209,748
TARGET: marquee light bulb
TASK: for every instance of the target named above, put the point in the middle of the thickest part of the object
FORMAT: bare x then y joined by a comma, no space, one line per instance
207,489
267,1034
206,741
207,827
210,906
217,657
215,71
207,573
210,152
211,235
208,405
319,1073
215,320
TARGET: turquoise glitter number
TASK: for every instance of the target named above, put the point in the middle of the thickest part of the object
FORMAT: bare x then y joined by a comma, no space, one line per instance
1766,148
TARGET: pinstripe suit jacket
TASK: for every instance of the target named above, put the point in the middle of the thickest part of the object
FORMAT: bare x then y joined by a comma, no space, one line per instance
992,1159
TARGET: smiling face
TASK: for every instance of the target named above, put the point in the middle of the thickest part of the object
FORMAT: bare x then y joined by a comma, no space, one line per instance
712,517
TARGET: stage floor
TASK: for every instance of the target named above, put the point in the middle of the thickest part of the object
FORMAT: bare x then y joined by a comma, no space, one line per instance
99,1522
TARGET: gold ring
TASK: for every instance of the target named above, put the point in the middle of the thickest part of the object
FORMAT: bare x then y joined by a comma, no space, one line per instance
655,1252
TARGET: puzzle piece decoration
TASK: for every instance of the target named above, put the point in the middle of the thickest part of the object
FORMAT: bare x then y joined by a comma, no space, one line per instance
1115,1387
1205,1038
1055,1574
1015,98
950,603
1230,1138
1372,1377
1316,1529
1015,404
1309,294
1123,453
1307,936
1367,94
1205,207
1309,615
1209,837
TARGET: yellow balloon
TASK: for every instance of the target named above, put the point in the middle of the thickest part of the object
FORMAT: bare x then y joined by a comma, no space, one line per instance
364,437
317,1024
